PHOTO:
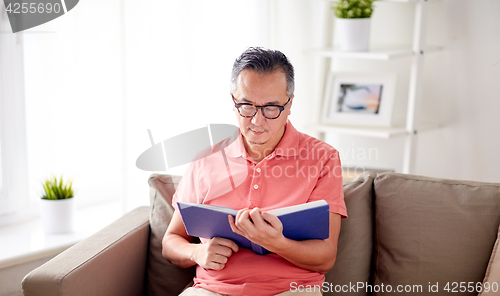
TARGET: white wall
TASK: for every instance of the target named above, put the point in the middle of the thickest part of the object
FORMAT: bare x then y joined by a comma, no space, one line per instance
467,146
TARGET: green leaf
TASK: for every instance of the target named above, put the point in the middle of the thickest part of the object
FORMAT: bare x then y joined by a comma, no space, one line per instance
55,188
353,8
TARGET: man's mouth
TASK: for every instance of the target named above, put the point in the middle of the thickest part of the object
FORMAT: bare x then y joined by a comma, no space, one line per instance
257,132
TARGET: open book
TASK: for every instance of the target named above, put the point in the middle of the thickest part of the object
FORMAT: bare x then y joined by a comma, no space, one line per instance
300,222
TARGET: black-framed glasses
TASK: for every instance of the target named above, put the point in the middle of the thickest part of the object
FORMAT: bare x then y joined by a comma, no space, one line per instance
269,111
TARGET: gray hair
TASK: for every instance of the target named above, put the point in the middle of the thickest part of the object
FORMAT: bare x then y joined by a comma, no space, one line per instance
264,61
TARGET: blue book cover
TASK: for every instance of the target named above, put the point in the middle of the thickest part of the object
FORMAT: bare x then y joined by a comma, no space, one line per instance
300,222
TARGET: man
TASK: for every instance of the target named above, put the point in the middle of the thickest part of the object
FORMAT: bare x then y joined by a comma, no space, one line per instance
282,167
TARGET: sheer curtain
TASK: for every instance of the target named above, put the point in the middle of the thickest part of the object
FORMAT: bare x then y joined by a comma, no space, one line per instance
98,77
178,57
13,170
73,101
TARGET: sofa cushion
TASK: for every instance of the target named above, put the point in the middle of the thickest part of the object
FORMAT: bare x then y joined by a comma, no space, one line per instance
163,278
432,231
491,280
355,246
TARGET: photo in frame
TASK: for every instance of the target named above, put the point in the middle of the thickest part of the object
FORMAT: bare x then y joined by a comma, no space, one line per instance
360,99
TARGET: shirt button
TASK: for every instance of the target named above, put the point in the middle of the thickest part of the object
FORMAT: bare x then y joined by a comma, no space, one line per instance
255,186
258,170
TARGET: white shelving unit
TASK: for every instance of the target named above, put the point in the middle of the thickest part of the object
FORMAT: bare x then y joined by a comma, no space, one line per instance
415,52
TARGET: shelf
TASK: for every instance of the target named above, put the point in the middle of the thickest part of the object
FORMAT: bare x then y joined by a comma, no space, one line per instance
402,1
373,132
25,242
381,132
413,53
385,53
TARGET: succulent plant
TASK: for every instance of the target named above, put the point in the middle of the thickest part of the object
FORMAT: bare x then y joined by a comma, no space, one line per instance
55,189
353,8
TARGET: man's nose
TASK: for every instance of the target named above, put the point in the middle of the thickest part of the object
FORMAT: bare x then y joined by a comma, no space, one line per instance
258,118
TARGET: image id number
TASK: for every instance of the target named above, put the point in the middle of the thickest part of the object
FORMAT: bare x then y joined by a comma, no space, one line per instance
456,287
25,8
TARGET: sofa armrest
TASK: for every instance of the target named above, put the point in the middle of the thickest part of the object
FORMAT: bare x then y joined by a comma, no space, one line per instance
110,262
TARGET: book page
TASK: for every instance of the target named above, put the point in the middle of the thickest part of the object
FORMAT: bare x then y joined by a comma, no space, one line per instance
297,208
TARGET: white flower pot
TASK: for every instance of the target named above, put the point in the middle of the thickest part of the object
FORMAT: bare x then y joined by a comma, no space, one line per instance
353,34
58,215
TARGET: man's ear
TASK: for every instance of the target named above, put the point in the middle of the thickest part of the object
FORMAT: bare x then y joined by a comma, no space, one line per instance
290,107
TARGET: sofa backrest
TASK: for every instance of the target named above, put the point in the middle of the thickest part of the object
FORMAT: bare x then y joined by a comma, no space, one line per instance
355,246
433,231
162,277
403,230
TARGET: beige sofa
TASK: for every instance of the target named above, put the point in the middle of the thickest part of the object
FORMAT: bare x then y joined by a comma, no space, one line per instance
405,235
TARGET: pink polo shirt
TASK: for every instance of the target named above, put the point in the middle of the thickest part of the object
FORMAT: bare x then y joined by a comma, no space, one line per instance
301,169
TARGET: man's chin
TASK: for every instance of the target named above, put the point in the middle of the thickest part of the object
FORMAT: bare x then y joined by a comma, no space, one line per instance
253,140
256,143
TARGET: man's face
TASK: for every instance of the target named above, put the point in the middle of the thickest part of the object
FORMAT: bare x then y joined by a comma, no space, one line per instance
260,133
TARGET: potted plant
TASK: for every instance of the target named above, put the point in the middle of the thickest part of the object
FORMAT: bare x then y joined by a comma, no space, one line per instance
57,205
353,24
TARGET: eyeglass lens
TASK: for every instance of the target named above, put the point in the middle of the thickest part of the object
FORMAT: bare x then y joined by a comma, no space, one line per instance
270,112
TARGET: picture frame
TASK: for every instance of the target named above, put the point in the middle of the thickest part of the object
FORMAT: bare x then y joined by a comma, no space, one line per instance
359,99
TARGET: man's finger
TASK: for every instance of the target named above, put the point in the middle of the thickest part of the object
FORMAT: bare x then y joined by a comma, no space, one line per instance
274,221
242,216
257,219
227,243
233,226
243,221
220,259
215,266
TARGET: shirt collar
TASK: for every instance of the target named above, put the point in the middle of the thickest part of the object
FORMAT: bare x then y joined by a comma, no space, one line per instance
236,148
288,145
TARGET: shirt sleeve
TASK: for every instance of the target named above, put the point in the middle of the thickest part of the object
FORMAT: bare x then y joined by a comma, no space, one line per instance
329,185
186,190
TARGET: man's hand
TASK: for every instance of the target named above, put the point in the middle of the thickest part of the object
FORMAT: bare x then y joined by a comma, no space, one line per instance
267,230
178,249
259,227
215,253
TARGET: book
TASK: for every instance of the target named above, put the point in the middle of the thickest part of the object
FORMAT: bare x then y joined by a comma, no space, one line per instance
300,222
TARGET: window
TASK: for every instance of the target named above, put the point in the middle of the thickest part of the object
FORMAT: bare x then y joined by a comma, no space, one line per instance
1,171
103,79
91,84
13,160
